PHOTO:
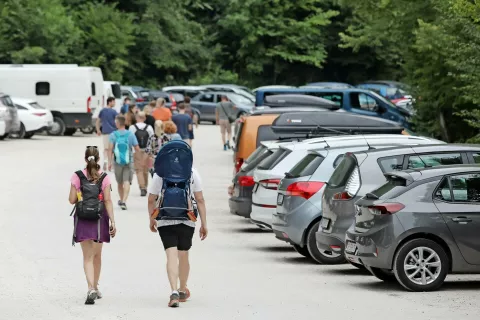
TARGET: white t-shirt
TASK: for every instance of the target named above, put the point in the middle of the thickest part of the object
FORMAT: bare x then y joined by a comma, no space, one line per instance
141,126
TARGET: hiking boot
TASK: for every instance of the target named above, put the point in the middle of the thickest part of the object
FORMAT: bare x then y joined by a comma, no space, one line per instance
143,192
91,296
184,295
123,206
174,300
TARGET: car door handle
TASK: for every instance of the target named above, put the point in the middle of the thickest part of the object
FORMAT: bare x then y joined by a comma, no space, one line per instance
461,219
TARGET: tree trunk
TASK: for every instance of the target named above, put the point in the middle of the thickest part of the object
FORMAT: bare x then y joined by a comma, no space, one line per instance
443,126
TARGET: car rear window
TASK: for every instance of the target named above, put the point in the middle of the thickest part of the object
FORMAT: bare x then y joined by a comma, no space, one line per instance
260,150
390,189
342,173
270,162
434,160
307,166
265,133
255,162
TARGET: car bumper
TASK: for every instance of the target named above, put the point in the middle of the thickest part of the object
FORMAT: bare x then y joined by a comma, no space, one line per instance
77,120
240,206
329,242
262,216
3,128
282,236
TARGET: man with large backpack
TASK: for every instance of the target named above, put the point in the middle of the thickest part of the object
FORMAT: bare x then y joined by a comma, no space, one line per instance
142,132
174,203
122,143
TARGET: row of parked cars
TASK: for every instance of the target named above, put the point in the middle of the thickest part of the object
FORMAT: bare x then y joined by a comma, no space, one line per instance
345,187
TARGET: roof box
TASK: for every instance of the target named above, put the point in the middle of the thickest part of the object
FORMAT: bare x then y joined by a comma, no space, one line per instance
298,124
299,100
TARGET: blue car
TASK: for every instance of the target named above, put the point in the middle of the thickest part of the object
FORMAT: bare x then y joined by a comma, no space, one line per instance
354,100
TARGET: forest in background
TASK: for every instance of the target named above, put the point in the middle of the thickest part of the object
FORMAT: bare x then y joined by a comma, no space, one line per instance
432,45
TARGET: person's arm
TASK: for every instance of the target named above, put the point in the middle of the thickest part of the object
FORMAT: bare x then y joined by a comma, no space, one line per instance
107,200
190,124
72,197
97,124
110,153
152,203
202,210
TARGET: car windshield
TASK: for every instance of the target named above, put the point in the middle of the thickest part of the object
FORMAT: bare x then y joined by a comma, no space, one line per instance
238,99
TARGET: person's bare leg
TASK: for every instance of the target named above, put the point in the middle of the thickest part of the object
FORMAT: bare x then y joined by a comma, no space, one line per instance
97,263
120,191
126,191
88,267
222,131
172,267
229,131
183,269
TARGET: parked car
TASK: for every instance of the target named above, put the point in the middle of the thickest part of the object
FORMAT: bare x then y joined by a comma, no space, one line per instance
171,99
421,224
270,171
33,118
329,85
299,199
8,116
243,91
352,100
205,104
361,172
190,91
138,95
392,90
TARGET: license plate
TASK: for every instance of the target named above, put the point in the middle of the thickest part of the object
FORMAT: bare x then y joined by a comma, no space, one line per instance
236,191
280,199
325,223
255,187
351,247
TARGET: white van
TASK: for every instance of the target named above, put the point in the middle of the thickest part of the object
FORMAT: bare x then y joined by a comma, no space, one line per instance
110,89
70,92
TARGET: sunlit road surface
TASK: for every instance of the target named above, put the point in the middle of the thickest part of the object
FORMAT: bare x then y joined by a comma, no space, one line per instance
239,272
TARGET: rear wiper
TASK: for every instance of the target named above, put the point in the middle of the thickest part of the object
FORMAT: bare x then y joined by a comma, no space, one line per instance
372,196
288,175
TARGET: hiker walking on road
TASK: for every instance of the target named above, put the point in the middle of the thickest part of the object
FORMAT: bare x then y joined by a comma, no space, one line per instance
94,221
150,120
106,120
175,200
130,117
184,123
193,115
224,111
126,104
161,112
122,142
142,132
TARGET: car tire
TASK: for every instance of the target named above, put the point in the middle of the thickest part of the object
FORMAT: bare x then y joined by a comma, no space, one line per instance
422,250
88,130
69,131
321,256
28,135
20,134
58,127
303,251
382,274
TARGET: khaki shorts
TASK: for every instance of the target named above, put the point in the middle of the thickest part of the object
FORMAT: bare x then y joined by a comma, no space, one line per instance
106,141
123,173
225,126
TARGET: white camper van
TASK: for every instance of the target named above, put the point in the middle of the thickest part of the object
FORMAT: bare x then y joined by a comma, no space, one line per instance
70,92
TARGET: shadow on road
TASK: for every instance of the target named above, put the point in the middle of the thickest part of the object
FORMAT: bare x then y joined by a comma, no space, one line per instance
296,260
275,249
248,230
353,271
377,285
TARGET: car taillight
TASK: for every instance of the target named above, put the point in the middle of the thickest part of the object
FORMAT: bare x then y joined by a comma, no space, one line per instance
40,114
342,196
139,100
246,181
238,165
271,184
174,103
304,189
386,208
89,101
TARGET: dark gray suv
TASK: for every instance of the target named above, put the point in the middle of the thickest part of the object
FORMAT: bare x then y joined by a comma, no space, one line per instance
361,172
422,224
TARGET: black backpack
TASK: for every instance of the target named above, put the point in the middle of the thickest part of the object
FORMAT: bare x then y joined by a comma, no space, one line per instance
142,136
91,207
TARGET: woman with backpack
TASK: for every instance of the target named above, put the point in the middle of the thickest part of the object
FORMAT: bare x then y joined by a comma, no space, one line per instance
142,132
94,221
164,132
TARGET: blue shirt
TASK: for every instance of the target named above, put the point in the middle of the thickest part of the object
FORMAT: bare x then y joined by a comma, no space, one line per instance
107,117
132,140
182,121
124,109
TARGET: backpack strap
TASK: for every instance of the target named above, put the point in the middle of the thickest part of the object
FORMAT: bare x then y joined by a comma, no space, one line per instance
100,180
81,176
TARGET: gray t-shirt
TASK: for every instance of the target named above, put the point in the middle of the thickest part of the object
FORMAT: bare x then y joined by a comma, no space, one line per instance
225,110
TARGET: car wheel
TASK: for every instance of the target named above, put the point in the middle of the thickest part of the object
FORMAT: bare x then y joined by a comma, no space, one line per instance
70,131
58,127
319,255
19,134
88,130
28,135
382,274
303,251
421,265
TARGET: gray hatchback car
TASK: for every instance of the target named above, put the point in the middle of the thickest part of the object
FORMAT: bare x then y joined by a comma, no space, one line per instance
421,224
361,172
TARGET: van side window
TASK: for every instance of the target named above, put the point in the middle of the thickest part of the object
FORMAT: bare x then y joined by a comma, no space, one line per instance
362,101
208,97
42,88
94,93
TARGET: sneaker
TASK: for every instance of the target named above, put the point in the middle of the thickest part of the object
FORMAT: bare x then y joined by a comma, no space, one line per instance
91,296
174,301
143,192
99,295
225,147
120,203
184,295
123,206
228,145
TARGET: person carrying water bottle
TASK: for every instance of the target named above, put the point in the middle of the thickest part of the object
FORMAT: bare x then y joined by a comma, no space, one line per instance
175,200
122,142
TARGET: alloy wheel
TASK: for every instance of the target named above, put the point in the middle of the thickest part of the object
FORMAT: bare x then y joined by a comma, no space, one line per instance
422,265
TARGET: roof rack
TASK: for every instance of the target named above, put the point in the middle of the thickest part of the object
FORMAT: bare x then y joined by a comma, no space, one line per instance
299,100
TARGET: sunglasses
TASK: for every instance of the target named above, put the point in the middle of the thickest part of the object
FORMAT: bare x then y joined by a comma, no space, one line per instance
88,147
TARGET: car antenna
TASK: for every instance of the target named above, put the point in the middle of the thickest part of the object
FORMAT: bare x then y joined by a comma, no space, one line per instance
368,144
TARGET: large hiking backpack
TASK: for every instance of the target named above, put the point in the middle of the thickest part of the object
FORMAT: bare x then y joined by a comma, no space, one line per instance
174,165
142,136
122,148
